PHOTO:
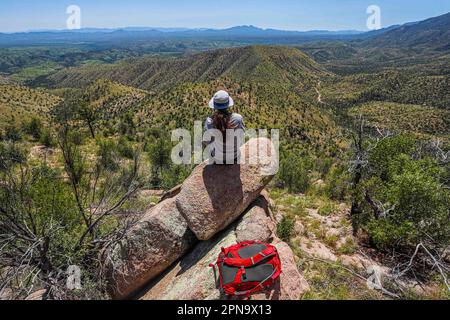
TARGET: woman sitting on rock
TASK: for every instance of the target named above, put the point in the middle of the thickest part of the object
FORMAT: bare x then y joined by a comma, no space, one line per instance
228,124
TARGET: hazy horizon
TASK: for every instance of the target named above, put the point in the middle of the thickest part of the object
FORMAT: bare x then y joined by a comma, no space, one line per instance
171,29
289,15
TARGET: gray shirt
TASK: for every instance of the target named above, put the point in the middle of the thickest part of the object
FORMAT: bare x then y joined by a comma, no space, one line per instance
231,149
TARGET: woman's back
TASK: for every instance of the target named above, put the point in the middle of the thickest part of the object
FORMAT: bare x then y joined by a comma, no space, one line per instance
231,125
223,149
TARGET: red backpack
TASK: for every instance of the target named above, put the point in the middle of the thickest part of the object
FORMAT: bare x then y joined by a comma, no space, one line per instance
247,268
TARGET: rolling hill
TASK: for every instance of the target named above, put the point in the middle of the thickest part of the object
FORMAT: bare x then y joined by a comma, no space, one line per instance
406,64
111,99
433,33
18,103
250,64
392,85
421,47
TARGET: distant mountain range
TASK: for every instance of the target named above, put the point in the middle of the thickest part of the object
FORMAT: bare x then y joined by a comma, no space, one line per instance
246,34
433,32
107,30
245,29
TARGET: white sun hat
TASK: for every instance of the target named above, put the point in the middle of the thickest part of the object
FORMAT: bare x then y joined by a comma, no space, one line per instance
221,101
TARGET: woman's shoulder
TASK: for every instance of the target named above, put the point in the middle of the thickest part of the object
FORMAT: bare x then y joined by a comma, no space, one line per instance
209,123
209,119
236,116
237,121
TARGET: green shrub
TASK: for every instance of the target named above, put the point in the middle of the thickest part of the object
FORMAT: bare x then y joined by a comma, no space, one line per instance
47,138
404,198
285,228
34,128
388,150
323,166
420,208
126,124
338,183
327,208
159,154
331,240
76,137
10,154
52,198
107,153
125,149
12,133
44,206
174,175
294,173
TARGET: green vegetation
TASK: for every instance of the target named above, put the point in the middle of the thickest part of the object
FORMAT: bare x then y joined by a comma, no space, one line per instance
32,72
348,247
18,103
425,121
404,200
260,64
394,85
33,127
327,208
285,228
294,173
331,281
57,217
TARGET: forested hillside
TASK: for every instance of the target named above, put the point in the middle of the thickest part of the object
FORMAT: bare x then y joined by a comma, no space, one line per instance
18,103
429,34
251,64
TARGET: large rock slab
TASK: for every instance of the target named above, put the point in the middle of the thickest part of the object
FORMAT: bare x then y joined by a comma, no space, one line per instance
257,224
216,195
151,246
192,278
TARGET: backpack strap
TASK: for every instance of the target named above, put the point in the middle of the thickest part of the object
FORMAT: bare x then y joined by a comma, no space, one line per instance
249,262
257,288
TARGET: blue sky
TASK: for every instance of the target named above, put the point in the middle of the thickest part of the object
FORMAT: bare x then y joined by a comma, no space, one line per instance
281,14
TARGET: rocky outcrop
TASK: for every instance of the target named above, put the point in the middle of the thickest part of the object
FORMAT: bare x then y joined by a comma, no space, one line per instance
257,224
208,202
151,246
317,249
172,193
192,278
214,196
